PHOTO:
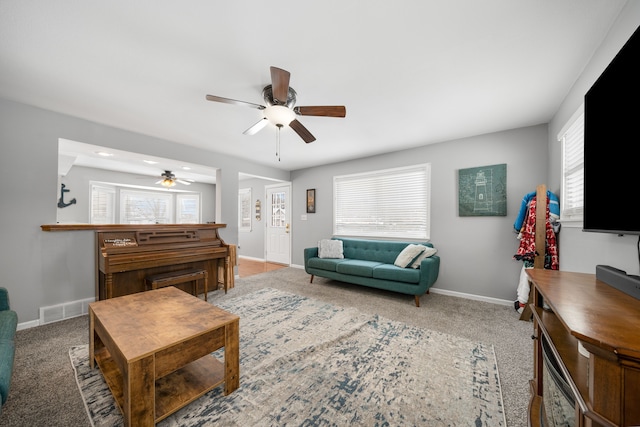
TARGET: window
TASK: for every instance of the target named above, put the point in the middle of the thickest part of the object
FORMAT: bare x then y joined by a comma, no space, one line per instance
572,138
278,210
392,203
103,204
187,208
117,204
244,209
145,207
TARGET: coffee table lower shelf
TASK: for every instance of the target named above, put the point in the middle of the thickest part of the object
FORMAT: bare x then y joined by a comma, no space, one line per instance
173,391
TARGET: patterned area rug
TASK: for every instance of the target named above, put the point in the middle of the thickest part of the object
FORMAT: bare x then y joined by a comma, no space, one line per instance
304,362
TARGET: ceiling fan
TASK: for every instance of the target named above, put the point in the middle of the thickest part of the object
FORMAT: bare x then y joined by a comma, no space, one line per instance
281,110
168,179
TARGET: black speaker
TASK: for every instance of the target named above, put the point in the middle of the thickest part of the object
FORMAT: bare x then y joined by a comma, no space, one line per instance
619,279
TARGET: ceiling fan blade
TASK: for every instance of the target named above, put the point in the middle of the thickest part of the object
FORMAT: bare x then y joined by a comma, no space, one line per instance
325,111
234,102
280,84
158,182
183,182
302,131
256,128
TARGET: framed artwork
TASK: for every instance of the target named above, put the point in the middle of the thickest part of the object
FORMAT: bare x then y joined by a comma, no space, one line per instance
311,200
482,191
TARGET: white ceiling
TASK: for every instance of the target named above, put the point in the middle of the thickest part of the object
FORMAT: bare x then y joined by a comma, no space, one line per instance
409,72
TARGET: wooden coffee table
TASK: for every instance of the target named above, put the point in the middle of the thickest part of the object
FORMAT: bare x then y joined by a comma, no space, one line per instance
153,349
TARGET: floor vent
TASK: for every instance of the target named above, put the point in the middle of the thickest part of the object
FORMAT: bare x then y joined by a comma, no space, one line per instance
67,310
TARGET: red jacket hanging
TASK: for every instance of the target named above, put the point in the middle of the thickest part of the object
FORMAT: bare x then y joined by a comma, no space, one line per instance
527,250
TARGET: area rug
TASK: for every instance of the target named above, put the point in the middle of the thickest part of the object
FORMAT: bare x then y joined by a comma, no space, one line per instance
304,362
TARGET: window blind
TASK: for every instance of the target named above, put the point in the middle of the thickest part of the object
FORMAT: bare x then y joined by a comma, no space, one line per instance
573,171
187,208
103,204
392,203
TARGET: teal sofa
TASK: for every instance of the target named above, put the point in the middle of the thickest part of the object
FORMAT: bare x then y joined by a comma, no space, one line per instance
371,263
8,326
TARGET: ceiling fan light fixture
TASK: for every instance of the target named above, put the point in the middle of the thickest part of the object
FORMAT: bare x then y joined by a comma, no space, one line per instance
168,183
279,115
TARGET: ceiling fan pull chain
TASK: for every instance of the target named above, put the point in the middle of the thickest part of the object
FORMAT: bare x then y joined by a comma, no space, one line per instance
278,142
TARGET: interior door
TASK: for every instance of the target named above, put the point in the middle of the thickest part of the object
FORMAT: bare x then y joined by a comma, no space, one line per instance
278,224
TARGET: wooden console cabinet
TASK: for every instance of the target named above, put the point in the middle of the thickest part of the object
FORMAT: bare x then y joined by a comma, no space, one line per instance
572,308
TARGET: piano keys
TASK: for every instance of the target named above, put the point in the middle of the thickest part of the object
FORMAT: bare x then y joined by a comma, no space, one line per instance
127,254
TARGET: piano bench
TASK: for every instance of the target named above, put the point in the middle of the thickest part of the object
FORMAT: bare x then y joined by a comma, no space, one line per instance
176,277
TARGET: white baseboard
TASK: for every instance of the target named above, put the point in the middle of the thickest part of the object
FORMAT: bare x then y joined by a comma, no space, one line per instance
471,296
29,324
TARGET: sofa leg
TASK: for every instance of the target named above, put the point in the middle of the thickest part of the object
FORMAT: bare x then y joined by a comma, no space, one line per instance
417,297
311,281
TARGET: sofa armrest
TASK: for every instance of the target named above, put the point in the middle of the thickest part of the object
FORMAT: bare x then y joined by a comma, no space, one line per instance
429,269
310,253
4,299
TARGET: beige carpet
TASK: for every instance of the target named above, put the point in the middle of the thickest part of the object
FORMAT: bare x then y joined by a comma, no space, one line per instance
44,391
307,362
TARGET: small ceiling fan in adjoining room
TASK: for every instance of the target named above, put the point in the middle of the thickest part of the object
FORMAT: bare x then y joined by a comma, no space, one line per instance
281,110
168,179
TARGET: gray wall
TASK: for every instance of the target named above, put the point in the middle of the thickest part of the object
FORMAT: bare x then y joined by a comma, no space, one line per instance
251,243
48,268
476,252
581,251
78,182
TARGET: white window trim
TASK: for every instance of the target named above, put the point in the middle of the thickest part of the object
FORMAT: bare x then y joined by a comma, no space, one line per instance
118,189
168,198
180,197
572,218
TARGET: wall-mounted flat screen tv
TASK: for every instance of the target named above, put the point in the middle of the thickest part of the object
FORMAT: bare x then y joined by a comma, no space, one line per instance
611,136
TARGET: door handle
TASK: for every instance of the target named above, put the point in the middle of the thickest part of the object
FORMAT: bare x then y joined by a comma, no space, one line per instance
286,228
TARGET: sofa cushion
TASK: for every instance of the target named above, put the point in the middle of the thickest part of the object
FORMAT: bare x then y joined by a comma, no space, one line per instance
357,267
329,248
384,251
328,264
397,274
429,251
408,255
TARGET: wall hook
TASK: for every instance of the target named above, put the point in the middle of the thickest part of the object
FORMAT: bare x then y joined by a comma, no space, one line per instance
61,203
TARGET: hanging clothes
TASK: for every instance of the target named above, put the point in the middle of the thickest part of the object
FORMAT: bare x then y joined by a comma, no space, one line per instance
525,225
527,250
552,201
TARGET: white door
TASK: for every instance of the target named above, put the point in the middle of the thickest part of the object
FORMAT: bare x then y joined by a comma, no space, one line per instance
278,224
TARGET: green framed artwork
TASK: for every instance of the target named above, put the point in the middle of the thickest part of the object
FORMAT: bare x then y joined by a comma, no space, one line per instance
482,191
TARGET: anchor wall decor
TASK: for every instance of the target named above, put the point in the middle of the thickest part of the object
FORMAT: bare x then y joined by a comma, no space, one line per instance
61,203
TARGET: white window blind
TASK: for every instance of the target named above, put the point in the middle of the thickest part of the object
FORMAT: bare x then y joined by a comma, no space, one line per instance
392,203
187,208
244,209
103,200
145,207
572,202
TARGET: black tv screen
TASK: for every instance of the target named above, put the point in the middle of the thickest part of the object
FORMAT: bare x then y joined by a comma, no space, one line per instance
611,136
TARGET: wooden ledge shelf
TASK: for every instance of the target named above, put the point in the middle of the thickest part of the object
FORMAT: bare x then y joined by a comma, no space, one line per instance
108,227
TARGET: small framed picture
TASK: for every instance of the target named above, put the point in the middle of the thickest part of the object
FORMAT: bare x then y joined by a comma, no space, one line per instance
311,200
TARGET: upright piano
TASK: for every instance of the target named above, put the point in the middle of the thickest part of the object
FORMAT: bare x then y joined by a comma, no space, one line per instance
126,254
